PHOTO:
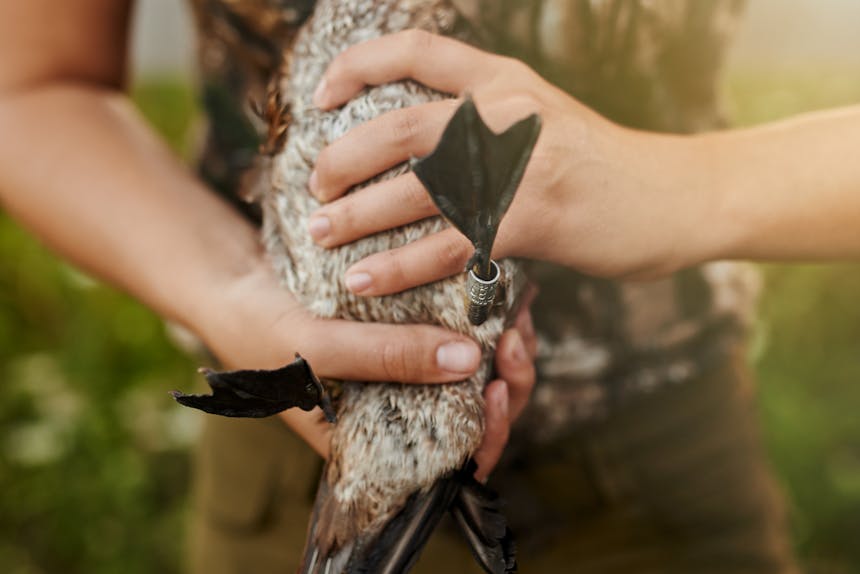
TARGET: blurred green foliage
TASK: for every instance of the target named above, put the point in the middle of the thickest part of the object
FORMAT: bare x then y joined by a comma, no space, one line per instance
93,453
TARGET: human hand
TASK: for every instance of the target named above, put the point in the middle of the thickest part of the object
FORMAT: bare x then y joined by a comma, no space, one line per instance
595,195
259,325
339,349
507,396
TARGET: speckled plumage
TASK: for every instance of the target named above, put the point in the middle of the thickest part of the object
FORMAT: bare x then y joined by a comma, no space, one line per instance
390,439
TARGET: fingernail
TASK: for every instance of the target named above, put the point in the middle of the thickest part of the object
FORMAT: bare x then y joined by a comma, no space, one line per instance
313,183
358,282
319,93
319,227
517,348
459,357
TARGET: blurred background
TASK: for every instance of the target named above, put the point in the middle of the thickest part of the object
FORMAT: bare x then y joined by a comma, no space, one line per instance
94,454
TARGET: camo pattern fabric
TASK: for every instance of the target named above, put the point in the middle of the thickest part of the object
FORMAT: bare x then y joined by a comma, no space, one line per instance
650,64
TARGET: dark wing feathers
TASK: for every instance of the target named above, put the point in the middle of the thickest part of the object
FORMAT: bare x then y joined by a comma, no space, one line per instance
394,550
260,393
477,510
400,543
473,174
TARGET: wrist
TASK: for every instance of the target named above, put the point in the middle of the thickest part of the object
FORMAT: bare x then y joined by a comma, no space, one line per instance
723,217
676,201
699,204
215,279
236,314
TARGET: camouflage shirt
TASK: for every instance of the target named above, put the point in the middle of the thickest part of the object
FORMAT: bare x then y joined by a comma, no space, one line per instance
651,64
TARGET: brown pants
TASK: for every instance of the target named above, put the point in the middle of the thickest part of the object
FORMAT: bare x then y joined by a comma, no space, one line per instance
674,482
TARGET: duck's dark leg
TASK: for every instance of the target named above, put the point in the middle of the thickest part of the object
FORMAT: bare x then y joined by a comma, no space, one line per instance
472,176
259,393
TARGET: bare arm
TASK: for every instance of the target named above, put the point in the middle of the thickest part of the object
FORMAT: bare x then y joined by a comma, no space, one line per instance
790,190
598,197
81,169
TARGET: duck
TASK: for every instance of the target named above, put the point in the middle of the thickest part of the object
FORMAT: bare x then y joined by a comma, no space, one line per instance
401,454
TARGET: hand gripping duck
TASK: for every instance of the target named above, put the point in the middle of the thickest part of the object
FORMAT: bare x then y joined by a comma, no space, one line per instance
400,454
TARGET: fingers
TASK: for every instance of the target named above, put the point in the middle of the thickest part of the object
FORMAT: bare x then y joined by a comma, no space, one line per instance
387,205
515,365
496,429
505,399
377,145
523,322
440,63
381,352
394,137
428,259
526,330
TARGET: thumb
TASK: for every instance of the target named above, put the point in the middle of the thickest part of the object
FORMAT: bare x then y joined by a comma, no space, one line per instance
381,352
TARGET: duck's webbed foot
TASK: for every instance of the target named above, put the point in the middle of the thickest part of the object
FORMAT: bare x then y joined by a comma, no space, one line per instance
260,393
472,177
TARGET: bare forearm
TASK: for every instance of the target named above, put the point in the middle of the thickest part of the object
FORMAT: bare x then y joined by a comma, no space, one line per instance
82,170
790,190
